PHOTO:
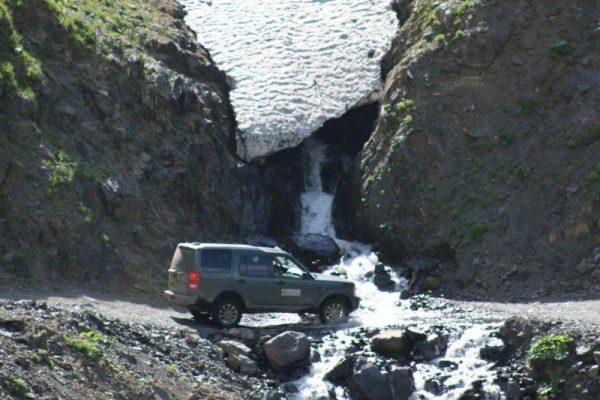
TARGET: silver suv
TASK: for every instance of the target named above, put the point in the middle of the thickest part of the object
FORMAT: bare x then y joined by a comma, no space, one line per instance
226,280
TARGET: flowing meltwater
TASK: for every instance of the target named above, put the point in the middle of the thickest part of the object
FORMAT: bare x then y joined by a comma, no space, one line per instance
380,309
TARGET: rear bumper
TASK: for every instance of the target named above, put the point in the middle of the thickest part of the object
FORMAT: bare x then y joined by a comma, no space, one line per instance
355,302
179,298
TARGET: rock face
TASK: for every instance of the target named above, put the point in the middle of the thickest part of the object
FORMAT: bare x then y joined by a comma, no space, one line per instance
486,145
130,148
287,351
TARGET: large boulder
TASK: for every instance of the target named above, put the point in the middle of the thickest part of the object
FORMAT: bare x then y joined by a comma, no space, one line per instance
314,249
402,383
369,383
394,342
287,351
341,371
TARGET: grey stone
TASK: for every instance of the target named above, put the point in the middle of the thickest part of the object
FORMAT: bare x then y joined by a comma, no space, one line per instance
393,342
513,391
402,383
234,347
341,371
369,383
287,351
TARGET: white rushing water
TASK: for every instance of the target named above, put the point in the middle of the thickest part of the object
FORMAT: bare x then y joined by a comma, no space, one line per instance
380,309
295,63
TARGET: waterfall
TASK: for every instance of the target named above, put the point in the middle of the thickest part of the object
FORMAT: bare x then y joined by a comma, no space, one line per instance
382,308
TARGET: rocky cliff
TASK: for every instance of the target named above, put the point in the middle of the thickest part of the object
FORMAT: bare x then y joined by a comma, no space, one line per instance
487,147
116,141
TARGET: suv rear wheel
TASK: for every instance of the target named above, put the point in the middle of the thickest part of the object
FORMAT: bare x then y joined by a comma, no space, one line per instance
334,311
227,313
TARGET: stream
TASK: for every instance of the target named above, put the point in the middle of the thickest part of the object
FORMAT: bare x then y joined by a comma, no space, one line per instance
445,377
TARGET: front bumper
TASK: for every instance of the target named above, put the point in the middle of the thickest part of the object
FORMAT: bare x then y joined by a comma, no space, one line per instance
179,298
355,302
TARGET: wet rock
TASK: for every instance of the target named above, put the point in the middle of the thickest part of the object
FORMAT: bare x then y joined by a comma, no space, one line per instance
492,349
447,365
341,371
290,387
261,240
393,342
369,383
592,372
242,364
434,346
287,351
585,353
513,391
382,277
112,193
402,382
12,325
241,333
233,347
315,249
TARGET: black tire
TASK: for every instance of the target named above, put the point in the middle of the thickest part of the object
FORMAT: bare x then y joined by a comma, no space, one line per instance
335,307
199,316
227,313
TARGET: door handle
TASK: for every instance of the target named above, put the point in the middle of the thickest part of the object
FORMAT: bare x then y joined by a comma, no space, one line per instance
241,281
281,283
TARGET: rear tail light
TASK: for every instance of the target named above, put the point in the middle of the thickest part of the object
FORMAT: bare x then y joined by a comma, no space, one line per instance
194,280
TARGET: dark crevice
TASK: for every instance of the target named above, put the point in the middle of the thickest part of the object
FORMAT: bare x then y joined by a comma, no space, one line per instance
282,172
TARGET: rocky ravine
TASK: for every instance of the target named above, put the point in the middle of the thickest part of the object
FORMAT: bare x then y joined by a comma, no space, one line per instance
486,150
118,142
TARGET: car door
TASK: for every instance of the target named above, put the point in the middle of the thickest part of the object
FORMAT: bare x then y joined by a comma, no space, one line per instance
294,292
256,281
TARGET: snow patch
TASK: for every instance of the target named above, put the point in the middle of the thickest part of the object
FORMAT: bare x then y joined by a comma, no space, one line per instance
295,63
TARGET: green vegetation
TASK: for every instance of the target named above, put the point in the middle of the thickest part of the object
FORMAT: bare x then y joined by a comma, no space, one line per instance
466,234
62,169
95,337
560,48
526,107
427,15
594,176
172,368
427,80
544,355
87,348
18,386
506,138
105,24
20,70
553,348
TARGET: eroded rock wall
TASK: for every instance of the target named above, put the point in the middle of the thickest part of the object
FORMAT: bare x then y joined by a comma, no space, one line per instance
487,147
116,144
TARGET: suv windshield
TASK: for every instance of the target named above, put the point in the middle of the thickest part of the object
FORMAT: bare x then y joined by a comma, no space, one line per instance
286,266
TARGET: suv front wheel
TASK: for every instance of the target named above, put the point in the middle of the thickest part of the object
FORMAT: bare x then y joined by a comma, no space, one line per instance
227,313
334,311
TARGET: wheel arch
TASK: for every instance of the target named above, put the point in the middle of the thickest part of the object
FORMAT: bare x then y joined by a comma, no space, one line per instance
339,296
230,294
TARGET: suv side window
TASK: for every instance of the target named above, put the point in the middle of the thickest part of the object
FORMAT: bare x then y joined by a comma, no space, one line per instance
216,261
258,265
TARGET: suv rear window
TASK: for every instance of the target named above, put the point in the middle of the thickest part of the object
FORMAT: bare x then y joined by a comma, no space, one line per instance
256,264
216,261
184,259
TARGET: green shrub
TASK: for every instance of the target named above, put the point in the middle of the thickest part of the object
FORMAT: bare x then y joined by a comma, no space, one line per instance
95,337
62,170
594,176
560,48
553,348
85,347
18,386
506,139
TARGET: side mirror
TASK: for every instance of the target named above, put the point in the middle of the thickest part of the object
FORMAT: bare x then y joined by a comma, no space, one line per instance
306,276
